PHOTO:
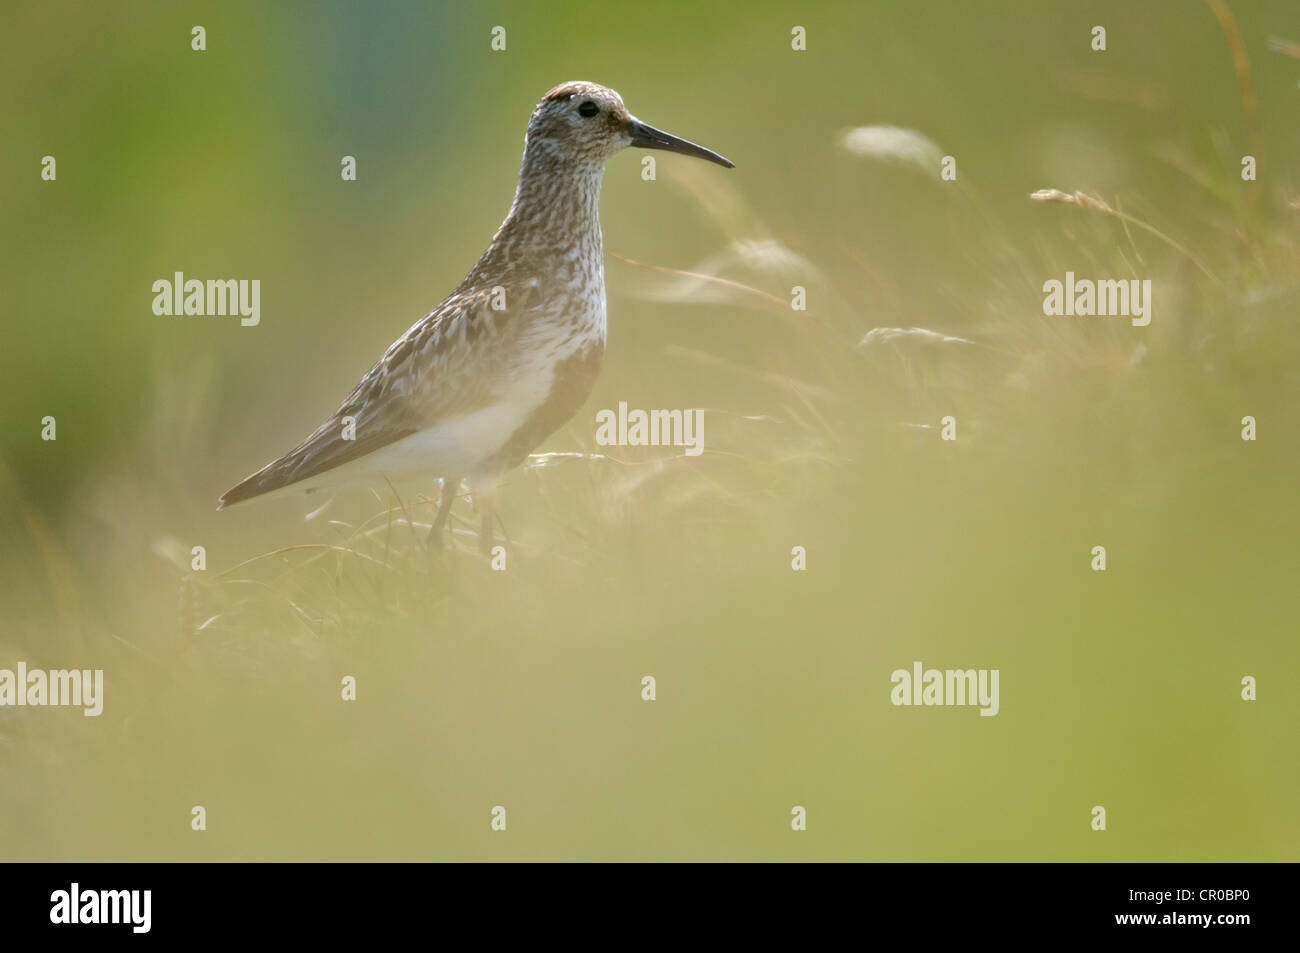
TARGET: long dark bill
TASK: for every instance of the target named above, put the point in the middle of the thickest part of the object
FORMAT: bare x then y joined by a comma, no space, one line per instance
648,137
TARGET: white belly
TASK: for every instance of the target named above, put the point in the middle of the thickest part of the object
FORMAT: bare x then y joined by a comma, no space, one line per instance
454,448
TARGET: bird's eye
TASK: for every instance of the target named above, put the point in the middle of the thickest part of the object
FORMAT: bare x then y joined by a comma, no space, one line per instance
588,109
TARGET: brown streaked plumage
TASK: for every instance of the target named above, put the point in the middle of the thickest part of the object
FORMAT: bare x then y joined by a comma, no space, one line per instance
510,355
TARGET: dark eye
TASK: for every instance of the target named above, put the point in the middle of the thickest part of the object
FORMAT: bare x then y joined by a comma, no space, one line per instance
588,109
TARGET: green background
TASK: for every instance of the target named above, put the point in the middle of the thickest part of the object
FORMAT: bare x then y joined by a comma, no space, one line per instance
522,688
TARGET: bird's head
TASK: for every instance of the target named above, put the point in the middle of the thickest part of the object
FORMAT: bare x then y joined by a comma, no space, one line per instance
588,123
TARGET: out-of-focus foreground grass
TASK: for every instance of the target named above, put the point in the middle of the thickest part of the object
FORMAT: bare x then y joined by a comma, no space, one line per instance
522,688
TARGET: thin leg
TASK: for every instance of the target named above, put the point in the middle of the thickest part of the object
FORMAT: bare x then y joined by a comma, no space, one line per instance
450,486
485,535
485,493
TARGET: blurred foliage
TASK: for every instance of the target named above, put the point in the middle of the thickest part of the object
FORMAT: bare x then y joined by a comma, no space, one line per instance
522,689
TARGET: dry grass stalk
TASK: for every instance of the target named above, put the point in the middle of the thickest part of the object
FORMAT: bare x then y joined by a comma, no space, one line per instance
1083,200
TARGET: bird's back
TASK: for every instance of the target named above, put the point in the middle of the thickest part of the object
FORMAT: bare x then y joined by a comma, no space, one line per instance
471,387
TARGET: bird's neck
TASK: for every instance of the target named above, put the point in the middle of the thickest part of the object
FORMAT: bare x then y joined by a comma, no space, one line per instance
556,212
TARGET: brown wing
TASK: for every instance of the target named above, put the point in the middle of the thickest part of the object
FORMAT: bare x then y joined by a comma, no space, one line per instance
448,364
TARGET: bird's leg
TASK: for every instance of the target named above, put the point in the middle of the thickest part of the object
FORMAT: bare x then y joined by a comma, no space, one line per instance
485,536
485,494
450,486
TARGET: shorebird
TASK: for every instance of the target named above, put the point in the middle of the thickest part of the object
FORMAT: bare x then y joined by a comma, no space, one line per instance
510,355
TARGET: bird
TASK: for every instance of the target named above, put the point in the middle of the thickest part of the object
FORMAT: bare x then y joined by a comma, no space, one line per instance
513,352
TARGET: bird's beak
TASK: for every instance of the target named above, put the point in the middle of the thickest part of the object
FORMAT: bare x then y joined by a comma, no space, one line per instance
648,137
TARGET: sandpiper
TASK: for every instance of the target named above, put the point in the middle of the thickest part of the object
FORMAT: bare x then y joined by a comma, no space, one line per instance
510,355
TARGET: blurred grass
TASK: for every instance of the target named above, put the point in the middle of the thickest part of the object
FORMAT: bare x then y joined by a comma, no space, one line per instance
522,688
